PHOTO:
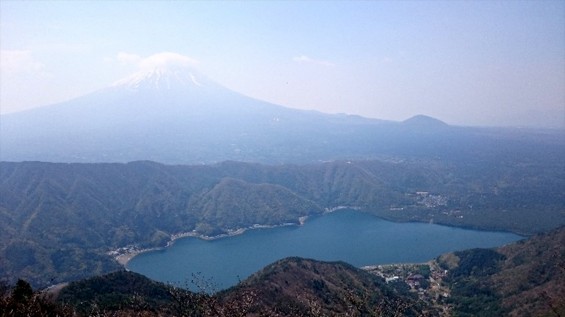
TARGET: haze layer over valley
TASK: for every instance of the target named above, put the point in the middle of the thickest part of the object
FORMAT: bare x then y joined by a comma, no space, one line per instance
173,114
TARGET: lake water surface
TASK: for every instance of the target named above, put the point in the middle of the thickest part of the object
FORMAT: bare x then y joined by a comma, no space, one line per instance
354,237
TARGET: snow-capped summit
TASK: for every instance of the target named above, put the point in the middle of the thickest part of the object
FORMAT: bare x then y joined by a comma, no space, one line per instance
169,112
165,78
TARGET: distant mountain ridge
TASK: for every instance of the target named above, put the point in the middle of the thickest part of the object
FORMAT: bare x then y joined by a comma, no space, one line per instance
178,116
170,115
422,121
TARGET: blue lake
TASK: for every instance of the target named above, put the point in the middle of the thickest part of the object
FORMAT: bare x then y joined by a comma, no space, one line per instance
354,237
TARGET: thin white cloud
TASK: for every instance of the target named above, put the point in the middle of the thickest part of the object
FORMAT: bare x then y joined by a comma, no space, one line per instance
14,62
164,59
129,59
309,60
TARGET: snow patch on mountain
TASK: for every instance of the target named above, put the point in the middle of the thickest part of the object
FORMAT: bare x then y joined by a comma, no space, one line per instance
163,78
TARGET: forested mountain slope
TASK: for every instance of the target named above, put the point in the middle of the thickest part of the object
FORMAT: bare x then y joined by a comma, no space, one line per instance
60,220
526,278
289,287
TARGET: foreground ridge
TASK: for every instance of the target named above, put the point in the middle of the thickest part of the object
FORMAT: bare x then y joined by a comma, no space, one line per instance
472,282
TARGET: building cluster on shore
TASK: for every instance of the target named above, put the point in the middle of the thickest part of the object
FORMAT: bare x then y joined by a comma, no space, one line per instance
425,279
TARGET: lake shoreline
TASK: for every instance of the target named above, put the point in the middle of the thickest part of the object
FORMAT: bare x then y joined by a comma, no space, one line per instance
358,238
125,254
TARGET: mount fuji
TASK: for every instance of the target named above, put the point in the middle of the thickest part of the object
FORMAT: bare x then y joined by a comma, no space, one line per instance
172,115
176,115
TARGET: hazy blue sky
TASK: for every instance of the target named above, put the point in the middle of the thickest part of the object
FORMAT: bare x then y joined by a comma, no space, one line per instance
465,62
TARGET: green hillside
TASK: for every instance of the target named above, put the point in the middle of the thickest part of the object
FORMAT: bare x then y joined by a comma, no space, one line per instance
526,278
301,287
59,221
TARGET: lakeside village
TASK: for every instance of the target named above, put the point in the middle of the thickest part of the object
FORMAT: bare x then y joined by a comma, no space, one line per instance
429,201
425,279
